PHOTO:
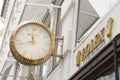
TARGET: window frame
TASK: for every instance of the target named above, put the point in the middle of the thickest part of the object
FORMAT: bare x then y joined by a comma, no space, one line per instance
78,40
3,9
56,28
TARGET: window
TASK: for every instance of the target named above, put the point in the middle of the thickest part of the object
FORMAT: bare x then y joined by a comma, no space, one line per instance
87,16
53,61
4,8
1,22
1,5
89,11
110,75
56,27
13,70
1,32
57,33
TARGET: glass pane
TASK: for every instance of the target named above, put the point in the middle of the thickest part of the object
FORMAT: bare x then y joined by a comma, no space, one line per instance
84,24
87,16
110,75
57,33
22,70
14,71
1,31
4,8
119,66
89,12
1,5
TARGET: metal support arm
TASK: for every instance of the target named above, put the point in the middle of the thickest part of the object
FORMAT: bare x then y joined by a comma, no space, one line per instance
42,5
59,55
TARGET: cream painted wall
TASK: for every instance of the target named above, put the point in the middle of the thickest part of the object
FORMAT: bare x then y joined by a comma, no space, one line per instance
62,71
114,13
65,7
68,66
13,15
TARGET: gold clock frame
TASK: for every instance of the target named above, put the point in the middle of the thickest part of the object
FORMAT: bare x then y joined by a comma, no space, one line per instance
28,61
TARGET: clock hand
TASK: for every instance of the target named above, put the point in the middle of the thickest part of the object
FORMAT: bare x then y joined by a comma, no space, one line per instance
33,41
27,42
33,38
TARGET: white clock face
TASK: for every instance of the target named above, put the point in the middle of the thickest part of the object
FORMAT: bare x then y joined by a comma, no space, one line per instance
32,41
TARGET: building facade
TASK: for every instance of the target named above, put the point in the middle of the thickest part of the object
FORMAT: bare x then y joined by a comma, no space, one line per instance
89,46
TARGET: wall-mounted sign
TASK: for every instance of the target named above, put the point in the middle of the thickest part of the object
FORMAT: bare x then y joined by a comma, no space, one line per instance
94,43
32,43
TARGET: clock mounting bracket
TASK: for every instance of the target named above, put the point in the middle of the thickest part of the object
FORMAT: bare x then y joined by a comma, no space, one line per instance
62,43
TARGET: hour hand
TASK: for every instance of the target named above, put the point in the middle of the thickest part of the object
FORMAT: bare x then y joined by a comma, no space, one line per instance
27,42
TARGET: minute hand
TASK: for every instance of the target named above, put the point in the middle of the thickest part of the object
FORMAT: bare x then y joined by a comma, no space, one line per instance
33,38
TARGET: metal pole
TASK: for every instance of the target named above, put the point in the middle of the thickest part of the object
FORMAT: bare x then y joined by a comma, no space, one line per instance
115,60
42,5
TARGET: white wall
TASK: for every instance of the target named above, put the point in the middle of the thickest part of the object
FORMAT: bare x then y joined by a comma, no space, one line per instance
106,5
13,15
96,28
68,66
62,71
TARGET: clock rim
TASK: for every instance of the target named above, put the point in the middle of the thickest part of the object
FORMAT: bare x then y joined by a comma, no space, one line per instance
27,61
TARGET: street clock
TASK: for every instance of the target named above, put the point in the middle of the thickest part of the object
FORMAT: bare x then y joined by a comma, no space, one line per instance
32,43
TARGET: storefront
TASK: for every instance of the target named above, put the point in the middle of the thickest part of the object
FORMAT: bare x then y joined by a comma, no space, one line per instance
104,65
